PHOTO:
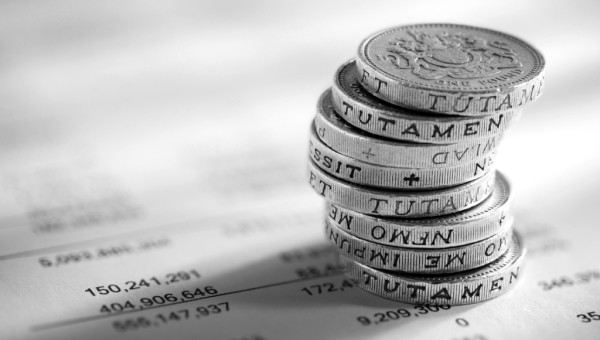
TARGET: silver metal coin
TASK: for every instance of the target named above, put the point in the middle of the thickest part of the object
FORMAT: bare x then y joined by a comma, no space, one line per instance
408,204
361,109
363,173
353,142
418,261
452,69
462,288
465,227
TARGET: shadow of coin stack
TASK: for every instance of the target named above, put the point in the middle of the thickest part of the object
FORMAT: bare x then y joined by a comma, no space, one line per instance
402,148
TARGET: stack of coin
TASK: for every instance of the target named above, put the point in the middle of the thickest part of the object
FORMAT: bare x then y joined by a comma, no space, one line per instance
402,147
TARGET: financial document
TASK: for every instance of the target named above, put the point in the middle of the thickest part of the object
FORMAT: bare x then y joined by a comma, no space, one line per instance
153,173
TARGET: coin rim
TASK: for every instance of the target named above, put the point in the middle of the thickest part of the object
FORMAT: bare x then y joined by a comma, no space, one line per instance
417,255
499,201
459,173
347,197
345,135
340,93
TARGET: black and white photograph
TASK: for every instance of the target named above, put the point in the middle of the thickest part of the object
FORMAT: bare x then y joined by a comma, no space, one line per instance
274,170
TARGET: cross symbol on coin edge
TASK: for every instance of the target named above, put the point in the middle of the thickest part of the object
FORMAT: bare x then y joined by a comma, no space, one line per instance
412,178
368,154
501,219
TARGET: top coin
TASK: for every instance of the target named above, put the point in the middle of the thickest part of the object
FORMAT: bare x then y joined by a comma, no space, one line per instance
452,69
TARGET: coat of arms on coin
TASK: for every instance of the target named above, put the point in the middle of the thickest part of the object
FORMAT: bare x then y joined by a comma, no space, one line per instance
453,55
